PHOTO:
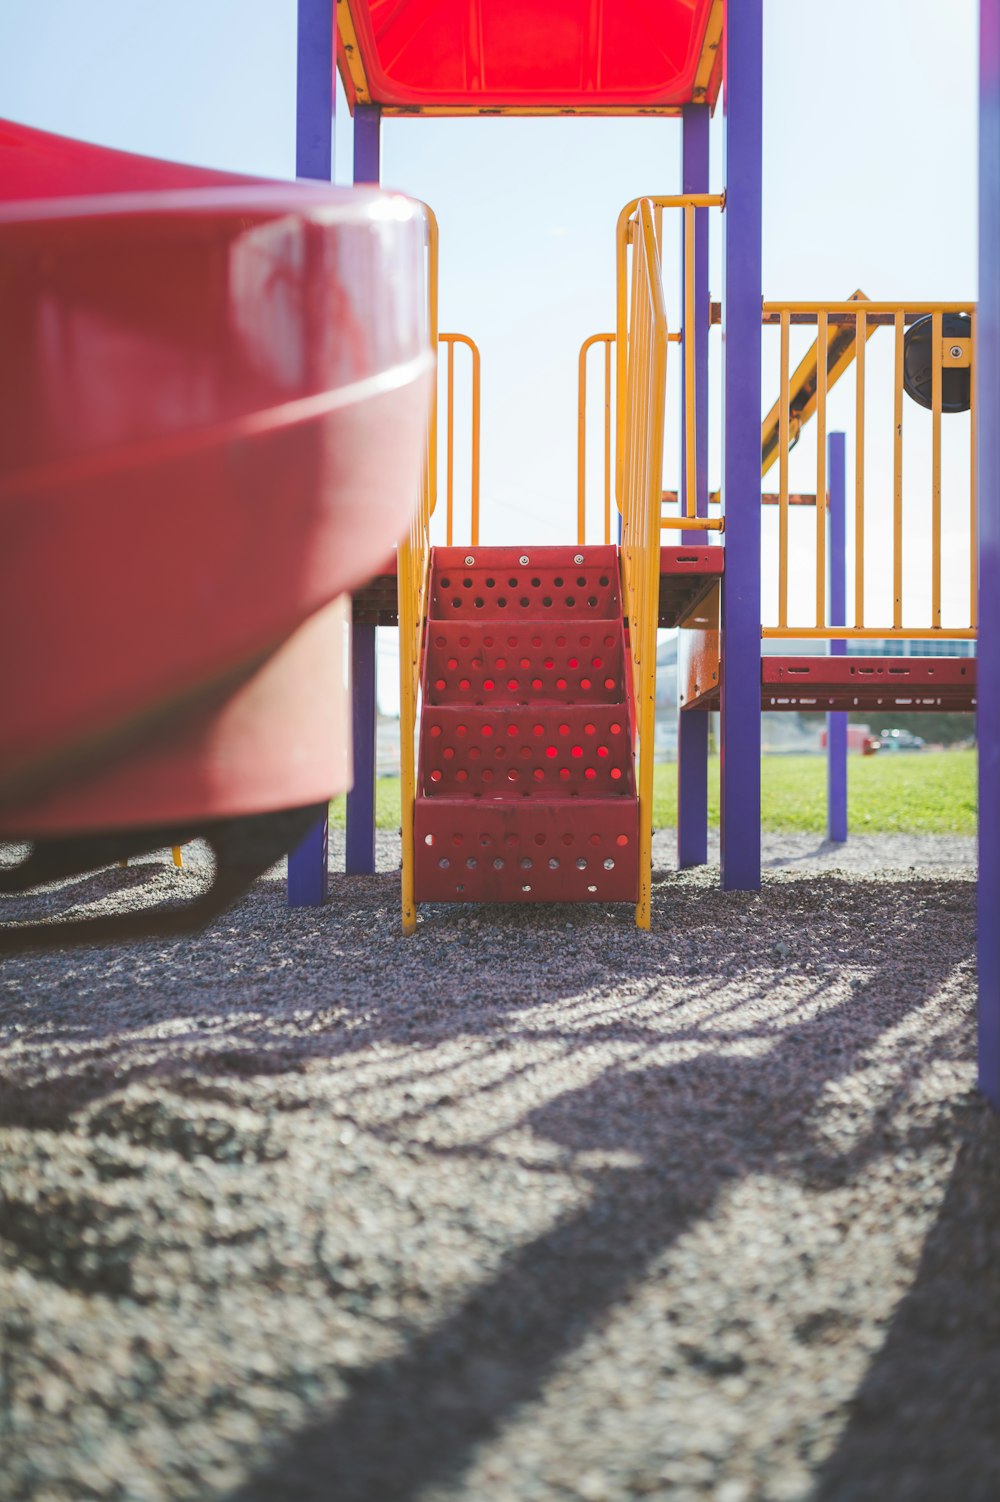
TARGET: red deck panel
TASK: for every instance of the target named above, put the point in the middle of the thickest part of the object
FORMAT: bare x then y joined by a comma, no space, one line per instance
897,683
529,55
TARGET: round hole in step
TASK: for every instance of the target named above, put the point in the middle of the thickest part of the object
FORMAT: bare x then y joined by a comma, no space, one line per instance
489,685
487,641
459,887
524,752
480,602
581,864
448,753
536,684
551,751
557,582
512,583
609,864
498,864
560,641
466,583
536,641
487,775
548,662
576,751
472,863
452,664
444,863
445,583
597,662
564,730
428,839
440,684
512,685
525,602
616,773
581,582
605,581
511,730
461,730
500,750
463,641
490,583
435,730
474,753
603,751
590,729
567,839
440,641
574,662
547,601
570,601
456,603
464,685
502,602
585,641
584,684
486,730
539,839
435,775
553,863
564,774
609,683
500,664
591,889
526,887
595,839
538,774
526,863
538,729
461,775
536,583
622,840
616,729
525,662
485,839
589,773
512,840
560,683
609,641
458,839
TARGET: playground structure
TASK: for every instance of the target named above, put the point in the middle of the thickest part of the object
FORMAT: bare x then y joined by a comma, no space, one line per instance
551,821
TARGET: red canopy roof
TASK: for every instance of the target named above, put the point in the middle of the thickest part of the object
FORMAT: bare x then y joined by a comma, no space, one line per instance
451,57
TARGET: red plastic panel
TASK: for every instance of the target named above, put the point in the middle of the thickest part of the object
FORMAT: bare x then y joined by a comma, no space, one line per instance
194,397
548,584
526,777
488,663
531,752
527,852
530,54
898,683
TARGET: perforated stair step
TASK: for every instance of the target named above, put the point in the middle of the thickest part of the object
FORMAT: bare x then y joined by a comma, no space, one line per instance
526,783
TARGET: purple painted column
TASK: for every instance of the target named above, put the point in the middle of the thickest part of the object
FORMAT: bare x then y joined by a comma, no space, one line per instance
692,725
741,298
364,703
988,400
314,112
836,720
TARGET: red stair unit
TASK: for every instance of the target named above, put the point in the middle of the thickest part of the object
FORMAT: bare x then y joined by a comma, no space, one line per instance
526,786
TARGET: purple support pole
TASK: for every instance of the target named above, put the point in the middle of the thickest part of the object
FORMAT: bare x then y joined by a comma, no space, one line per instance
836,720
364,703
987,375
741,299
314,108
692,724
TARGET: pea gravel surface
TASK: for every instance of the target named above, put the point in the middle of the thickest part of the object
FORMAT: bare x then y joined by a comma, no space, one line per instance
530,1207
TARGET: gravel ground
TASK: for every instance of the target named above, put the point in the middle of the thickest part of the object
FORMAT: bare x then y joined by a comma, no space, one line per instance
530,1206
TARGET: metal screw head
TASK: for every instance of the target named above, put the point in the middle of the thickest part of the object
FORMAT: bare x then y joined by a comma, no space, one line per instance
956,352
469,561
577,557
524,560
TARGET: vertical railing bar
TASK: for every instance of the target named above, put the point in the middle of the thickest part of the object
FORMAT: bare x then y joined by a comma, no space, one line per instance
936,327
581,447
690,403
860,331
897,474
973,488
474,529
450,461
783,416
821,502
607,442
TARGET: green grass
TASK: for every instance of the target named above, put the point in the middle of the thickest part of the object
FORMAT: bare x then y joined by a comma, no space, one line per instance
929,792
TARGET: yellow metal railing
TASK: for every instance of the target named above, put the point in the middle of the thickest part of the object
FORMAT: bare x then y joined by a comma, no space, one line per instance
412,558
831,320
687,203
450,340
642,394
581,437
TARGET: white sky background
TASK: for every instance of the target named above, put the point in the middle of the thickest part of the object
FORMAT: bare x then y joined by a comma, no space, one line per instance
869,181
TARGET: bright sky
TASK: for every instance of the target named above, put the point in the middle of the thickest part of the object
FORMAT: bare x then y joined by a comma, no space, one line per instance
870,181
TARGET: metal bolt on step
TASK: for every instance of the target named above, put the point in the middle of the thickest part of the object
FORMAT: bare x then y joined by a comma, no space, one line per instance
469,561
524,560
577,557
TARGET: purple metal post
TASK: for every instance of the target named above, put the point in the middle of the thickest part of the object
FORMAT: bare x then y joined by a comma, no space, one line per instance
692,725
364,703
314,111
836,720
988,402
741,298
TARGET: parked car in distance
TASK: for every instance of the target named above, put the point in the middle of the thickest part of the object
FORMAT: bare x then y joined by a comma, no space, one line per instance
900,740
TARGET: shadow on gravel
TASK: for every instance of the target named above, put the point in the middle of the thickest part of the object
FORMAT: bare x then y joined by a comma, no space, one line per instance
693,1129
924,1424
